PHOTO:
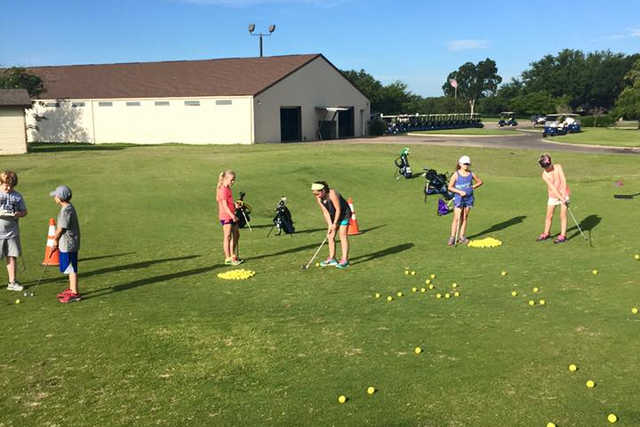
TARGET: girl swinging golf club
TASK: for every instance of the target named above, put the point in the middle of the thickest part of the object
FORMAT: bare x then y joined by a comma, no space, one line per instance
558,191
336,213
462,184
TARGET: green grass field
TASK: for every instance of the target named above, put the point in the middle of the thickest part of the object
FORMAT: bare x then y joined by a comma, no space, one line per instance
160,340
469,131
603,136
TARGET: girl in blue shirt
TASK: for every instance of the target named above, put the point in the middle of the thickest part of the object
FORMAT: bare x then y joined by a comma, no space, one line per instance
462,184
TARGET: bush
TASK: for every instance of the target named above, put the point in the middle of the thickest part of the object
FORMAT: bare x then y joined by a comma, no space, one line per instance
377,127
603,121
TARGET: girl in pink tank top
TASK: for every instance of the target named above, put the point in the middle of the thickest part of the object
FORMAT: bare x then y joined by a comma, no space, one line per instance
558,192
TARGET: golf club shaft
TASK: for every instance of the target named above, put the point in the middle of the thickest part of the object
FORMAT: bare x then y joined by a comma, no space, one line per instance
576,222
317,251
246,220
455,242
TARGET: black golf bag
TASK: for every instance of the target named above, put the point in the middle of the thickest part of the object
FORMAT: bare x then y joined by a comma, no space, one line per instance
436,183
243,211
402,163
283,221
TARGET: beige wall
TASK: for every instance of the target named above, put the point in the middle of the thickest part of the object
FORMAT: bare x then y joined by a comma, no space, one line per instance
314,85
148,123
12,131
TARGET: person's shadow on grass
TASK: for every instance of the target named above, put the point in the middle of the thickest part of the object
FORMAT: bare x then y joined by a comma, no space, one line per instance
381,253
587,225
499,226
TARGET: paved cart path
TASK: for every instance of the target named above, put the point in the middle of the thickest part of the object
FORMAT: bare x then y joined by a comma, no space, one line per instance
524,141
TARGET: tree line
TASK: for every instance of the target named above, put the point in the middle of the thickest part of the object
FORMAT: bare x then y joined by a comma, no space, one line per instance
570,81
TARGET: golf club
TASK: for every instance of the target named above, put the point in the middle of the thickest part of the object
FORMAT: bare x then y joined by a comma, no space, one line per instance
44,267
247,220
455,242
306,267
576,222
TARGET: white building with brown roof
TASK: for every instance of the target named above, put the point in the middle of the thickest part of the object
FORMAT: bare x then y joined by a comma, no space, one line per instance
12,120
219,101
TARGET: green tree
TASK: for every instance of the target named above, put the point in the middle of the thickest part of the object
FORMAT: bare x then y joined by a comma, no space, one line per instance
628,104
475,81
19,78
386,99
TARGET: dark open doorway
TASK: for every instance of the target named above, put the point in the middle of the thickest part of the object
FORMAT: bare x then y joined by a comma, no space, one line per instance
346,123
290,124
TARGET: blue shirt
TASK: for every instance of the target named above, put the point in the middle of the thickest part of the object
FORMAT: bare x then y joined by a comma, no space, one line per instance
464,183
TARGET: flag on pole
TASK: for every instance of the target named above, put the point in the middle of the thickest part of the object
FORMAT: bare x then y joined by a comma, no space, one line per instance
453,83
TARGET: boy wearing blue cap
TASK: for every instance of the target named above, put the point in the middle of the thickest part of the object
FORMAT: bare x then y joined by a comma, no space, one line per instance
67,239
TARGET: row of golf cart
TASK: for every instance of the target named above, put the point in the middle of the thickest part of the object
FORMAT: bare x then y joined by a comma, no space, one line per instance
560,124
404,123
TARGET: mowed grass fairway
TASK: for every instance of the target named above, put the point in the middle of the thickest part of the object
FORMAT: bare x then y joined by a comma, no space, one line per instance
603,136
159,339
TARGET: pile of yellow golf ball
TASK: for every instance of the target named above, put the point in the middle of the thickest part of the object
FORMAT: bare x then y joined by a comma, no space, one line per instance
240,274
488,242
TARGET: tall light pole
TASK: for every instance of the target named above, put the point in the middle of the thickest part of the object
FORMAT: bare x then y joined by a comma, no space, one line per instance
252,28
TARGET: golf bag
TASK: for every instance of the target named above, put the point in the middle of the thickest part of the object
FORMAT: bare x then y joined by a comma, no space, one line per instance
402,163
283,221
243,211
438,183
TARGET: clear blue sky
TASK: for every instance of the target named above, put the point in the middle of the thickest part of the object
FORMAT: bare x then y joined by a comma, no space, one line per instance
418,42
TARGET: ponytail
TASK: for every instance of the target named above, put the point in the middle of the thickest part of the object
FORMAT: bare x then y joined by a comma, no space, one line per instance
222,176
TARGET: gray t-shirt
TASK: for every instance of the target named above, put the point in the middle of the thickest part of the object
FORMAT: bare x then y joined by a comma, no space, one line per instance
10,203
70,238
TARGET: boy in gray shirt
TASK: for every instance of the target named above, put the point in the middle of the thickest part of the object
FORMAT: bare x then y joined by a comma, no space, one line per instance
12,207
67,239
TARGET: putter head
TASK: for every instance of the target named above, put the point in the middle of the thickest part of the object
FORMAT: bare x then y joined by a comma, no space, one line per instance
304,267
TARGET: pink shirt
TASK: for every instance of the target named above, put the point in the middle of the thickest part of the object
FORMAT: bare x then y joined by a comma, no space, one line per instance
223,197
556,179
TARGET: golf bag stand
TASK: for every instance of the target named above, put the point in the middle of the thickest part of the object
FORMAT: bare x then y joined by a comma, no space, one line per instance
438,183
282,221
402,165
243,212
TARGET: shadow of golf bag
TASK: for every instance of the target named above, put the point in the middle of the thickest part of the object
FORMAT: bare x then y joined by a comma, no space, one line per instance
243,211
437,183
282,221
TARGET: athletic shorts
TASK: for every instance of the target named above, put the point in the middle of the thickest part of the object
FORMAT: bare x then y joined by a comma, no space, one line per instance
463,202
554,202
68,262
226,222
344,221
10,247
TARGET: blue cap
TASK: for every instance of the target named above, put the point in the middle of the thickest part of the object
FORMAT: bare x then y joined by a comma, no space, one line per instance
62,192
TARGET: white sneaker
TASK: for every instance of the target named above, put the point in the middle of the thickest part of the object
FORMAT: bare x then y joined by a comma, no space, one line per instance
15,286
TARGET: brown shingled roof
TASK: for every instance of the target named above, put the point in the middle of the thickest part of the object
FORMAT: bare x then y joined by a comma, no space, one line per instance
14,98
212,77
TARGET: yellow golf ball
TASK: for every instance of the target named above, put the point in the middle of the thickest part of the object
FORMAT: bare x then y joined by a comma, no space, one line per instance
438,296
371,390
612,418
389,298
342,399
456,294
532,302
551,424
423,290
634,310
446,295
413,273
504,273
417,350
454,285
637,257
542,302
514,293
535,290
573,368
399,293
428,281
590,384
595,272
317,264
406,272
377,295
18,301
431,286
432,276
414,289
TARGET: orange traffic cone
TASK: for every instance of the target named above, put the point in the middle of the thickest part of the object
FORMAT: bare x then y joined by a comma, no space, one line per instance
353,222
51,254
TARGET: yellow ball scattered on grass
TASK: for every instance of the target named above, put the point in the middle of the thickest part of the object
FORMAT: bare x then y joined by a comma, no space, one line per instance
454,285
503,273
371,390
431,286
18,301
427,282
414,289
532,302
342,399
551,424
413,273
591,384
573,368
389,298
535,290
240,274
456,294
417,350
377,295
637,257
514,293
438,296
595,272
612,418
542,302
432,276
406,272
447,295
400,293
634,310
423,290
